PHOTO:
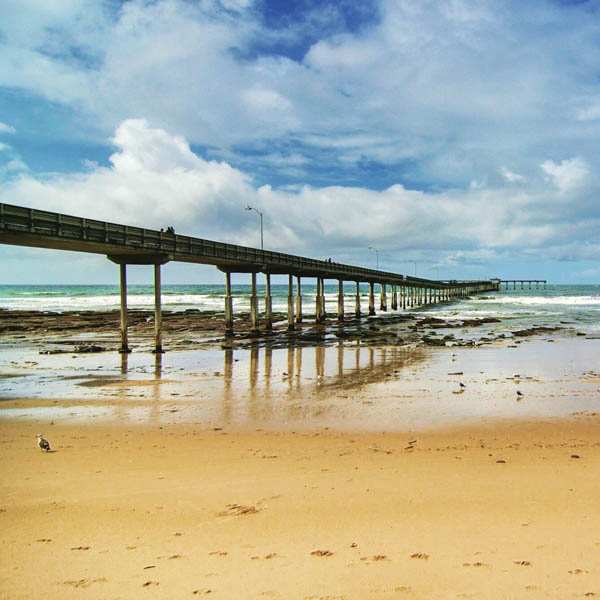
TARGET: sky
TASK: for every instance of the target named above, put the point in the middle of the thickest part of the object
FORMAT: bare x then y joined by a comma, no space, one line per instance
457,137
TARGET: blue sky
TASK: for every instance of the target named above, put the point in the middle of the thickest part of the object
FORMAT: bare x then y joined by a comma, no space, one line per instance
459,134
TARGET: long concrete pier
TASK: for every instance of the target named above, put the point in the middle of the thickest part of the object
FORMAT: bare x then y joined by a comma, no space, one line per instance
130,245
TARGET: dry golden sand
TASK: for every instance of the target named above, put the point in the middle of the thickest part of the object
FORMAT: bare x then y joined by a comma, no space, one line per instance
509,511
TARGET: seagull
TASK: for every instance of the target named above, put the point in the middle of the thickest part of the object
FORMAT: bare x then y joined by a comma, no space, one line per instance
462,385
519,395
43,443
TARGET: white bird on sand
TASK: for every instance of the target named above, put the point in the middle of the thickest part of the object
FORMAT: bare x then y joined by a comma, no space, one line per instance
43,443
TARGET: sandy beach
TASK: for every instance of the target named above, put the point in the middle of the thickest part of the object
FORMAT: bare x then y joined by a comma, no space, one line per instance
508,511
346,469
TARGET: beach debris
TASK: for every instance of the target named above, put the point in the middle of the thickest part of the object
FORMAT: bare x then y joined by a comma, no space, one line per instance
235,510
43,443
321,553
456,372
88,349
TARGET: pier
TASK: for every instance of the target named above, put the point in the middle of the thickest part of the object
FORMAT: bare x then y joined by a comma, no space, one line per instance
522,282
130,245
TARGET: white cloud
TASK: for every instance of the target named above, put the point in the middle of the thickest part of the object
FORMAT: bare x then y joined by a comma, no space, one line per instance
456,88
156,180
4,128
510,176
568,174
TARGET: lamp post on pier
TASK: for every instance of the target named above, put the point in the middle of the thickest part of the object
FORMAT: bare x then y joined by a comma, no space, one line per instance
260,214
376,255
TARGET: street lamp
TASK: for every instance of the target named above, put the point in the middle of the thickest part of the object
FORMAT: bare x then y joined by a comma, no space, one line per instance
376,255
261,224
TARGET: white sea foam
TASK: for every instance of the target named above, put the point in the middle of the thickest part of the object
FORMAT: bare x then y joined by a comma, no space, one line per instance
547,300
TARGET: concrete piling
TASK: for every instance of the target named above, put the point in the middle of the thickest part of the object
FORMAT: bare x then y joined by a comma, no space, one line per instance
340,311
228,305
290,315
124,349
357,301
268,303
298,299
157,311
253,305
318,299
371,299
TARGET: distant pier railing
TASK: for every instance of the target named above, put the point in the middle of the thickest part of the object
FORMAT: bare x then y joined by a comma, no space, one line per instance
126,244
523,282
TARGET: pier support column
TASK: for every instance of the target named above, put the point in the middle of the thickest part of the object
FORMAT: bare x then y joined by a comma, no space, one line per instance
371,299
158,349
124,349
298,299
384,297
403,296
228,305
357,301
340,311
253,306
394,298
323,305
290,315
318,299
268,303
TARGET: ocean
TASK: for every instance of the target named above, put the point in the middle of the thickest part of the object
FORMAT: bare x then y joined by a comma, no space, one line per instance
575,305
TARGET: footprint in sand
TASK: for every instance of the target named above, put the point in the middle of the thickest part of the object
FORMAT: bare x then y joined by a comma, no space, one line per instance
218,553
236,510
522,563
80,548
150,583
84,583
321,553
44,540
201,592
420,556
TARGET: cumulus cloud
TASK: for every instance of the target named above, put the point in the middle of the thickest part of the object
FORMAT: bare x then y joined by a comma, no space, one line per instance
476,121
510,176
155,180
568,174
452,88
4,128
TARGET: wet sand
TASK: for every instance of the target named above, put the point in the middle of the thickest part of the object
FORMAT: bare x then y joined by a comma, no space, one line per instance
505,511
